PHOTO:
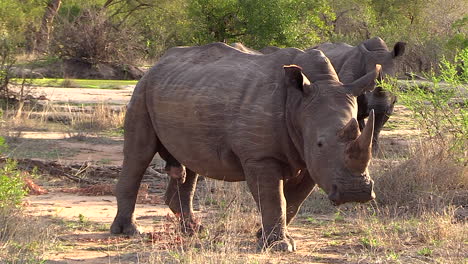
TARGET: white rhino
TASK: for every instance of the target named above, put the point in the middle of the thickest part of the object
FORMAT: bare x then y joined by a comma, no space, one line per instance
282,122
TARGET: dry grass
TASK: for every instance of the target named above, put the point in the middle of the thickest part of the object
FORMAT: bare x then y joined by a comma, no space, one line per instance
430,179
430,237
23,239
75,119
230,221
414,219
102,117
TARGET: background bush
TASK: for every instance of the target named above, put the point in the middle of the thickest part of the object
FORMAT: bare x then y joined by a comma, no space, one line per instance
12,187
435,173
139,30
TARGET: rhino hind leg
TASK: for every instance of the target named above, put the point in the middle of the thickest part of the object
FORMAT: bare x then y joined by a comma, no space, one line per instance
266,185
134,166
179,198
140,145
296,192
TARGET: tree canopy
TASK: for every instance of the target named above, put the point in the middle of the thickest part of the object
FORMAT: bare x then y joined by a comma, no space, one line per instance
146,28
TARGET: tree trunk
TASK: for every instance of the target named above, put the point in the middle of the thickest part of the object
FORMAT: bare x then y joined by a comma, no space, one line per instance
43,35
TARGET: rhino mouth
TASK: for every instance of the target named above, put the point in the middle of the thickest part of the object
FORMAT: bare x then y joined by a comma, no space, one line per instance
338,197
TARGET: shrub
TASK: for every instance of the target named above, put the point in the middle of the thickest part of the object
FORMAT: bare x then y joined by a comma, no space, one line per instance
90,36
23,238
429,179
11,185
12,189
440,108
434,175
7,60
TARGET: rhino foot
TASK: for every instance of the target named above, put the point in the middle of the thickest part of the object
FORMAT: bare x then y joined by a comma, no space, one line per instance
287,244
191,227
283,245
129,229
259,235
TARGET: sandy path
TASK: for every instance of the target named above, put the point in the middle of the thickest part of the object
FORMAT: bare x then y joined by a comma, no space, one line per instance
99,209
85,95
90,247
99,247
95,153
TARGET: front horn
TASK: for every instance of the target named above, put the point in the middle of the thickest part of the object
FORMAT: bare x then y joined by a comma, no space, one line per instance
365,139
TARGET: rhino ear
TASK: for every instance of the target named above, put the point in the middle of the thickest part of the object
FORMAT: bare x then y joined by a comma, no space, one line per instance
365,83
295,78
399,49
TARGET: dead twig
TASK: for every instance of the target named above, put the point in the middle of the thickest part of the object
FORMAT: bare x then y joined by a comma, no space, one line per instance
78,179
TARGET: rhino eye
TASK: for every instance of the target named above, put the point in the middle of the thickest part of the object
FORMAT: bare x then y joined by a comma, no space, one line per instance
319,144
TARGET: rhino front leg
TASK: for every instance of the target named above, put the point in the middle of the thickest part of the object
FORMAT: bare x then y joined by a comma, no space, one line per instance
265,181
179,198
295,191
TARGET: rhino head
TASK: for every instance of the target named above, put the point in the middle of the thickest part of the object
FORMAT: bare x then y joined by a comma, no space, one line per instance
335,151
374,51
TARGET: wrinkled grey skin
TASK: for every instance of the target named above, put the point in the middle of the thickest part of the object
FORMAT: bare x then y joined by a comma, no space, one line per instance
353,62
233,116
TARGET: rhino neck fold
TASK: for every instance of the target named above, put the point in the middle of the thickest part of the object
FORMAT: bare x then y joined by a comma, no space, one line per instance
292,110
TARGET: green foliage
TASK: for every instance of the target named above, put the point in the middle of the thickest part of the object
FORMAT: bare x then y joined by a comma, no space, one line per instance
425,251
11,185
7,59
3,145
18,19
11,181
259,23
455,72
138,30
440,107
369,242
164,26
459,40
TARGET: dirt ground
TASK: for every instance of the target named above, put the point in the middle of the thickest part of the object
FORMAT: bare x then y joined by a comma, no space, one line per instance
91,242
84,95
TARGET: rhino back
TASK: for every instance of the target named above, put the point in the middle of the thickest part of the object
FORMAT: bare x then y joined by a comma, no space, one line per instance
213,106
334,47
344,58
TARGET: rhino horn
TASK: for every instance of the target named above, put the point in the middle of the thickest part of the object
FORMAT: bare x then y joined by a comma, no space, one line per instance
358,152
365,83
350,131
365,139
